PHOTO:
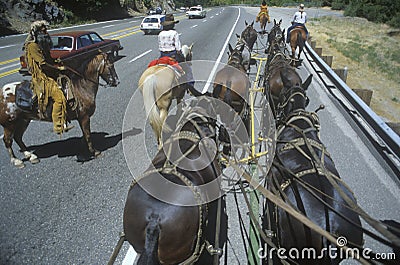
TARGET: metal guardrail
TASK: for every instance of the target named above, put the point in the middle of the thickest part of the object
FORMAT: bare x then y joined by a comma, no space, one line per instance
384,139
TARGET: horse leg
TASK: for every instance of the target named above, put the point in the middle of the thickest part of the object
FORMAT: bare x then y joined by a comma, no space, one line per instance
7,139
84,123
18,133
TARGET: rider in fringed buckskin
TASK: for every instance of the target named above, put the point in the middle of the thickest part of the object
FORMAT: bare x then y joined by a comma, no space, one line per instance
299,19
170,45
263,9
37,51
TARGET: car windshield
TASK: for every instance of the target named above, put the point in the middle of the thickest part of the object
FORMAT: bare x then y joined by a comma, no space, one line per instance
150,20
195,9
62,43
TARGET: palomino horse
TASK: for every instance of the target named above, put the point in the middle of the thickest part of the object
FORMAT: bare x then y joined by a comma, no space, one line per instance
168,210
303,174
84,88
297,39
159,85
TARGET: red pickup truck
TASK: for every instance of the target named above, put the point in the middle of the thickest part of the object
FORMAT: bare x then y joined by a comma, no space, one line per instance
72,48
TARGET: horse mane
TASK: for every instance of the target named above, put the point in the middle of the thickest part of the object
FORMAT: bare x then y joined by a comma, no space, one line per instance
88,66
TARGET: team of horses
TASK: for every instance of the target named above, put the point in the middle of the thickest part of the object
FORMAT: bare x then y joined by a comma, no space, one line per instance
169,217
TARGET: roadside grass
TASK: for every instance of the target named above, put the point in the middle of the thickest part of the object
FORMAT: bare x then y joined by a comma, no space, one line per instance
371,54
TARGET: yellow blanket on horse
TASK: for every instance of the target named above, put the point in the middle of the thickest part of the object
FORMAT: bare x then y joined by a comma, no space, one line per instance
263,11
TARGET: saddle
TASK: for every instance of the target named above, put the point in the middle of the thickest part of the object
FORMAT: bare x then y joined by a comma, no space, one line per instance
168,61
25,99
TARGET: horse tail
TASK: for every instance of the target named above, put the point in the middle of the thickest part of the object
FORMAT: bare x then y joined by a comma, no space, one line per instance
149,256
300,41
150,102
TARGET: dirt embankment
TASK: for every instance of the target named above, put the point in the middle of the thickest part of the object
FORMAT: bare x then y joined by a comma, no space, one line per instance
370,52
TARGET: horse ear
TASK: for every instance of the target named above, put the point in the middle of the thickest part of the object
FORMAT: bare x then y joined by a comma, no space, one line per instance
274,21
245,22
191,46
230,47
237,35
280,22
307,83
252,23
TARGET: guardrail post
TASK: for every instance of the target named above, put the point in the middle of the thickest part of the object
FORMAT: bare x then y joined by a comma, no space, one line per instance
342,73
328,59
395,126
318,51
364,94
313,44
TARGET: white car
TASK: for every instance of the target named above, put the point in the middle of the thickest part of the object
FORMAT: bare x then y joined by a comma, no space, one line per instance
196,12
152,24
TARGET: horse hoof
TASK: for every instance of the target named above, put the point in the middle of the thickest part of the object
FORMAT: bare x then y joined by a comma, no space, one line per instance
18,163
34,160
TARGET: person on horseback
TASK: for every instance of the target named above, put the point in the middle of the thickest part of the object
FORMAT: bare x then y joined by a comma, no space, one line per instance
263,10
299,20
169,45
41,65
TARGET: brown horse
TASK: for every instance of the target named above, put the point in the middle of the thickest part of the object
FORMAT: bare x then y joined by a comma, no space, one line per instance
159,85
263,21
302,175
249,35
168,212
231,83
297,39
278,63
84,88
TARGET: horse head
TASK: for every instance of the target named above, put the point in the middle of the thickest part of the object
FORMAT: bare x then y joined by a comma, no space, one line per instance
235,56
276,34
292,97
187,52
105,67
249,35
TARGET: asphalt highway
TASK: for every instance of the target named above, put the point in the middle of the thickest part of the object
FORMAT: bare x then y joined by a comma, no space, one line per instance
61,211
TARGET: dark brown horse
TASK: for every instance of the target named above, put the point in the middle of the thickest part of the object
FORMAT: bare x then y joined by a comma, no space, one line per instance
297,39
301,174
84,88
276,34
279,64
249,35
166,212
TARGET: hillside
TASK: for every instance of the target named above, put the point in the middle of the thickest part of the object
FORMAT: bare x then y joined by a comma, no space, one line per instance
16,16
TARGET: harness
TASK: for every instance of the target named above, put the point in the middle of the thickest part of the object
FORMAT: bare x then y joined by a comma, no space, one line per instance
171,169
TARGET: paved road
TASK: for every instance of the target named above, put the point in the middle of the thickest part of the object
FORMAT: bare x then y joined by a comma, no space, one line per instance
64,212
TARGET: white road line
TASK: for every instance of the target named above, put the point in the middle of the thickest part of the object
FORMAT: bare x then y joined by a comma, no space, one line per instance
133,21
205,20
130,256
193,26
140,56
9,66
1,137
3,47
211,16
109,26
207,85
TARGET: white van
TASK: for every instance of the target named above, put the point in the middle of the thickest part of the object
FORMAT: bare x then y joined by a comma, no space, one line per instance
152,24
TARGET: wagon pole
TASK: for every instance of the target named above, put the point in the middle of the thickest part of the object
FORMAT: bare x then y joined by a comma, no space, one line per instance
254,235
